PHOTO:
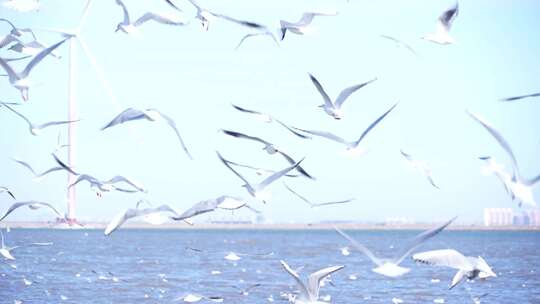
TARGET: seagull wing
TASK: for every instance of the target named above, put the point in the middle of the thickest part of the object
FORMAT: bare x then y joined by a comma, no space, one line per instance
457,278
247,110
447,18
325,134
85,177
298,195
314,280
13,76
373,124
444,257
226,163
172,124
64,166
348,91
241,135
292,162
157,18
19,114
121,218
406,155
54,169
26,165
197,209
334,203
275,176
327,100
125,11
514,97
17,205
500,139
293,131
421,238
126,115
42,54
303,290
4,189
55,123
360,247
119,178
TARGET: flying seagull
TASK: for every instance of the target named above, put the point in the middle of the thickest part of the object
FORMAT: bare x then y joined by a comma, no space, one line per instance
258,190
37,176
351,145
259,171
35,129
442,36
20,80
130,213
514,98
268,119
469,267
315,205
128,27
150,115
521,188
5,189
270,148
420,166
400,43
5,251
334,108
12,36
302,26
309,293
33,205
109,185
222,202
202,14
390,267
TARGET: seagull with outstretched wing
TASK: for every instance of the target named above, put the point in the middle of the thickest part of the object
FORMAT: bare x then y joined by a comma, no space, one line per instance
444,23
36,129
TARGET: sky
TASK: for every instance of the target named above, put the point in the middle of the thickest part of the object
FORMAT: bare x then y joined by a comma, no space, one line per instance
193,76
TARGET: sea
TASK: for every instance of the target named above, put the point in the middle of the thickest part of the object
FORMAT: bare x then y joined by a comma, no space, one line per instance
178,266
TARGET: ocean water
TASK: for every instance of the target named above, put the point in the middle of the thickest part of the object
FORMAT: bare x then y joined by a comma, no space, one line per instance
155,266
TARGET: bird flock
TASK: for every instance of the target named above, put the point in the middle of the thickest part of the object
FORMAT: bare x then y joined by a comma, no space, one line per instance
24,41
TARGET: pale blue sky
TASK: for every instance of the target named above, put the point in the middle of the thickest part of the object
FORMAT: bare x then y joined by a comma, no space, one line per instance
193,76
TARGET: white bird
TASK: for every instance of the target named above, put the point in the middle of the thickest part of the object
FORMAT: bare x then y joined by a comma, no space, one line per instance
130,213
257,29
20,80
351,145
444,23
519,187
202,14
35,129
129,27
5,251
390,267
334,108
420,166
33,205
258,190
109,185
5,189
12,36
150,115
22,6
315,205
260,171
514,98
37,176
400,43
270,149
303,25
309,293
268,119
223,202
469,267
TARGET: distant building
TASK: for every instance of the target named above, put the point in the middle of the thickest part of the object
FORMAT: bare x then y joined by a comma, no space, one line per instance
507,217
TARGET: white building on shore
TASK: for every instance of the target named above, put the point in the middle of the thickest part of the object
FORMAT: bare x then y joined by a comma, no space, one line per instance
496,217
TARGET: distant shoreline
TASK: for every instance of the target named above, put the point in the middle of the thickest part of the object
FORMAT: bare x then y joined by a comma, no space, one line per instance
242,226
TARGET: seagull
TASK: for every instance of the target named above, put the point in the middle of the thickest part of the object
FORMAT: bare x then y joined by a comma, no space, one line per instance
441,36
150,115
270,149
128,27
258,190
469,267
302,26
268,119
514,98
520,188
33,205
34,128
259,171
202,14
22,5
108,186
5,251
400,43
130,213
37,176
12,36
246,290
222,202
31,48
420,166
315,205
20,80
351,145
5,189
309,294
334,108
390,267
